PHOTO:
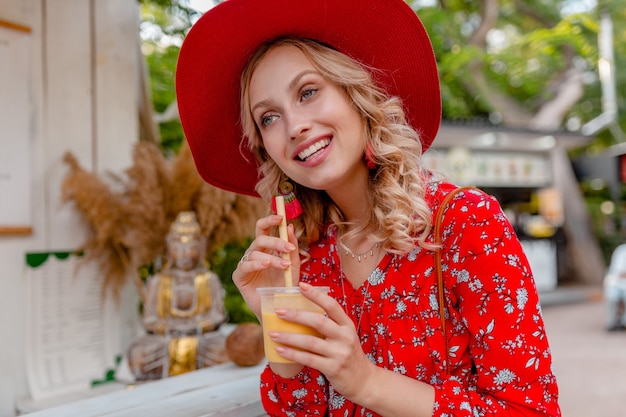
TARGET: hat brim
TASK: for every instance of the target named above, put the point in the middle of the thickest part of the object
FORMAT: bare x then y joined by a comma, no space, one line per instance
382,34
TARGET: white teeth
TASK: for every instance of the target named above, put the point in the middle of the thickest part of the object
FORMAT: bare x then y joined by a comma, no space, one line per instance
313,148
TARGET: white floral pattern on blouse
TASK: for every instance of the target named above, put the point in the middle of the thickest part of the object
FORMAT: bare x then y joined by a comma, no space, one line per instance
500,361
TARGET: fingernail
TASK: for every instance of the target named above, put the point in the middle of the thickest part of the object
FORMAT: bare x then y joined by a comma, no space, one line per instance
305,286
289,247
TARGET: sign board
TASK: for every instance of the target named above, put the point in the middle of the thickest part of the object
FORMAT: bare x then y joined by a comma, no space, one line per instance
484,168
71,332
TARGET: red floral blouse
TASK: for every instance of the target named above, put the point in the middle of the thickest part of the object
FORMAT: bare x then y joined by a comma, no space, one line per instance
500,361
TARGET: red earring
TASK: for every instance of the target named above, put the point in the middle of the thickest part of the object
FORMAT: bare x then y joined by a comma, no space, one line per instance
293,208
369,157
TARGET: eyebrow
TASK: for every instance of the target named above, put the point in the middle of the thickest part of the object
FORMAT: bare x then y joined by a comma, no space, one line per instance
297,78
290,86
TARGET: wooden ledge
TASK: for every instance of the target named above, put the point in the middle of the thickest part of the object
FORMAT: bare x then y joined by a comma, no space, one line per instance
225,390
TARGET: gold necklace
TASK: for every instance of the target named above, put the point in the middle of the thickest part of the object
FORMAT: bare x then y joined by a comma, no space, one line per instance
359,256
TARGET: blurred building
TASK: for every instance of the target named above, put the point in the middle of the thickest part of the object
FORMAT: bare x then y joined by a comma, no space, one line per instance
530,174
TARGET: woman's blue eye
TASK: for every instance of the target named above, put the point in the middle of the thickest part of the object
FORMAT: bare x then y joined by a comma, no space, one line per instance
267,119
308,93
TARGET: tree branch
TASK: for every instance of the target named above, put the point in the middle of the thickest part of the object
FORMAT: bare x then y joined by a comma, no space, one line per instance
550,116
148,130
526,10
169,114
489,17
512,113
560,77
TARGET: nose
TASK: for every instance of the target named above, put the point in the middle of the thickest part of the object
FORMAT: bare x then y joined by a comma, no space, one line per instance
297,125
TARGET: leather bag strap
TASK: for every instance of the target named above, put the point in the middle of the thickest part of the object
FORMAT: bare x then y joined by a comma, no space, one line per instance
440,285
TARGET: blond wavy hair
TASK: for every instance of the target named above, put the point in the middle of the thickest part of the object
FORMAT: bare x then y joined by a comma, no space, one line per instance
396,190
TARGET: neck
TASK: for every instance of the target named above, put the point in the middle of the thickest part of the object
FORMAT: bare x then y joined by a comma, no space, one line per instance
347,196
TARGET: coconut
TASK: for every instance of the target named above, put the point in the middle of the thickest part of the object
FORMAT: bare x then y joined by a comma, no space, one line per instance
244,345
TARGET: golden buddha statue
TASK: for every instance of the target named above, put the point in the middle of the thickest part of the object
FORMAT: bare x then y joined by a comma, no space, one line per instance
183,310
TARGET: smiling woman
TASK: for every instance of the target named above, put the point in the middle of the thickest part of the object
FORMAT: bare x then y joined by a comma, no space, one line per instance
329,97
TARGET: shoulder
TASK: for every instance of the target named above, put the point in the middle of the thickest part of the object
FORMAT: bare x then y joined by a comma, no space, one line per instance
463,199
469,214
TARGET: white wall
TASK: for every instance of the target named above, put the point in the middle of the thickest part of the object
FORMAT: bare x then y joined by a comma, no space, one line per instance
83,97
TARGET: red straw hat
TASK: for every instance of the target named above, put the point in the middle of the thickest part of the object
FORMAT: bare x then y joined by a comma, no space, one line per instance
383,34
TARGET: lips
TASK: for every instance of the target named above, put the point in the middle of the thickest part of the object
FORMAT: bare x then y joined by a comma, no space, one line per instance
313,149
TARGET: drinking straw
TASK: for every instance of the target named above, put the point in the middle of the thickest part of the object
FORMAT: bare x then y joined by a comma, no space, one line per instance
282,232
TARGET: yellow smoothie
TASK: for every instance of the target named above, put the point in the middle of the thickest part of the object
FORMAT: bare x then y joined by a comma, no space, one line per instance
271,322
273,298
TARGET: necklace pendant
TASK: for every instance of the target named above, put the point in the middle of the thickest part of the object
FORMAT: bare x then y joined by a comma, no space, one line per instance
362,256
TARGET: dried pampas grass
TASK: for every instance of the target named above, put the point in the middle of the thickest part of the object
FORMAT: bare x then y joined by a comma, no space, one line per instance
104,211
130,227
186,183
148,203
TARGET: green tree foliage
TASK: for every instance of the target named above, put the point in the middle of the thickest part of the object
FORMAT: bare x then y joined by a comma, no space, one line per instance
223,264
162,64
522,58
606,215
164,24
498,60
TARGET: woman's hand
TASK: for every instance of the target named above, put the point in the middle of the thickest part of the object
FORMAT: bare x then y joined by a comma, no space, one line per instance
338,354
262,264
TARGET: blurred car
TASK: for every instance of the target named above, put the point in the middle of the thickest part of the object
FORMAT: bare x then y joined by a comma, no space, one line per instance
615,289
